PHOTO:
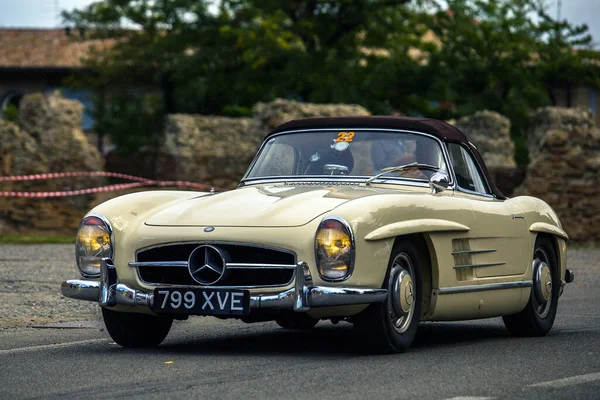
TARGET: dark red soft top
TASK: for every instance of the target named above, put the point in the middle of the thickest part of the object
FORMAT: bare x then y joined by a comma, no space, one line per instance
440,129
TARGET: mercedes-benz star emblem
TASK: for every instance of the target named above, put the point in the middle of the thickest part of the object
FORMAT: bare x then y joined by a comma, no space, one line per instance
207,264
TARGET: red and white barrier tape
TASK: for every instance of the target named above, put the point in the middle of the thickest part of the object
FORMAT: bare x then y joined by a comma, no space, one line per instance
139,182
56,175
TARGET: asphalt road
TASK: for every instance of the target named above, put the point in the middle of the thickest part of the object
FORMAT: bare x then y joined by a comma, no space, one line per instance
210,358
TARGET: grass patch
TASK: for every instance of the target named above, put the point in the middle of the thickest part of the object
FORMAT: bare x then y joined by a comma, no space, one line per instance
24,239
583,245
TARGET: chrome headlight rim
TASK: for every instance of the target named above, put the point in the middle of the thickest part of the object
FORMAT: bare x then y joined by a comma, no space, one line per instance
350,233
110,231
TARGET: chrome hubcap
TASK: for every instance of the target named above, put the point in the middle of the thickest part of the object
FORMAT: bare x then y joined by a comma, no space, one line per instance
403,294
542,283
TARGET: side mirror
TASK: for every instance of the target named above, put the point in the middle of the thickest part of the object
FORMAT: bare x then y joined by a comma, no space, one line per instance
439,182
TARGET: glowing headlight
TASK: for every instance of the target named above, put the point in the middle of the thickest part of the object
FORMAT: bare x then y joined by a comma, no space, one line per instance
334,249
93,243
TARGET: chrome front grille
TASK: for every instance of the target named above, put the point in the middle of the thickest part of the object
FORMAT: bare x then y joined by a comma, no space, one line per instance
247,265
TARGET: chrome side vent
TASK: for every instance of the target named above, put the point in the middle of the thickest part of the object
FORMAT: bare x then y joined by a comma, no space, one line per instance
463,259
462,256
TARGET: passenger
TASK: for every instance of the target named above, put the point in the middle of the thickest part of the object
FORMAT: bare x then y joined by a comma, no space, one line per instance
391,153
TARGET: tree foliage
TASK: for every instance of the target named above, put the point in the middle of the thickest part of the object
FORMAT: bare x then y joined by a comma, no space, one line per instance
505,55
509,56
439,58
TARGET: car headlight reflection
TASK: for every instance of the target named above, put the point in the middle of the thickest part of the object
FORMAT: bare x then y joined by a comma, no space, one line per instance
334,249
93,243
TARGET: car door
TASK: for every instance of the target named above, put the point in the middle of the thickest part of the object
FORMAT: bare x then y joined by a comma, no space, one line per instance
499,239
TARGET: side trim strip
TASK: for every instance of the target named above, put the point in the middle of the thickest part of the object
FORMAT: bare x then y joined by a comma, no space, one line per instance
259,266
547,228
472,251
183,264
416,226
485,287
478,265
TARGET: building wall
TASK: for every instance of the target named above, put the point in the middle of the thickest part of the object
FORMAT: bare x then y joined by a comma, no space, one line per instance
23,85
581,96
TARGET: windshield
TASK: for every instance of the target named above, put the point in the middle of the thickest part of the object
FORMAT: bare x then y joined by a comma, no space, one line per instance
357,153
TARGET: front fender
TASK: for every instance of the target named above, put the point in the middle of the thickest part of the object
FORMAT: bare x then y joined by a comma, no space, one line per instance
541,216
126,214
123,210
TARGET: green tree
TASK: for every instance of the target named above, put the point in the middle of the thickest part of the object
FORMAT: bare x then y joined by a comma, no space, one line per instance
244,52
147,42
438,58
150,39
503,55
10,113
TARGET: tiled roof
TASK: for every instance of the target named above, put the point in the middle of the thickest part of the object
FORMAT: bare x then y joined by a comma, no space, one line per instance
50,48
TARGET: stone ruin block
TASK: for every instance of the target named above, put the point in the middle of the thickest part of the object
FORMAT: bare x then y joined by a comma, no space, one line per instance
564,148
218,150
48,138
490,133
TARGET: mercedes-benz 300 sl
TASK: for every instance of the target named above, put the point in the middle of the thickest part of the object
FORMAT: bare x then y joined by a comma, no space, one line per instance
382,222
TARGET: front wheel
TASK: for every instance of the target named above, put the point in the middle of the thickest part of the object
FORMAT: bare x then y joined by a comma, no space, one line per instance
136,330
537,317
391,326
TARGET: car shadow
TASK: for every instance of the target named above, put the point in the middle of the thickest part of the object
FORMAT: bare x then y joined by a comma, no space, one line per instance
432,334
324,340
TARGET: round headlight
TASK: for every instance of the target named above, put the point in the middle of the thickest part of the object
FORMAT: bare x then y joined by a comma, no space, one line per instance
93,243
334,249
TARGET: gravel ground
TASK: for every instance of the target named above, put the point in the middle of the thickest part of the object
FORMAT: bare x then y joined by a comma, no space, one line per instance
30,278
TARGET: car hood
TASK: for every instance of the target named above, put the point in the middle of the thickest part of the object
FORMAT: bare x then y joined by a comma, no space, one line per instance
259,206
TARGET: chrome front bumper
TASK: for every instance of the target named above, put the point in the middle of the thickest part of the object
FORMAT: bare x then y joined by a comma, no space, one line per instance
108,292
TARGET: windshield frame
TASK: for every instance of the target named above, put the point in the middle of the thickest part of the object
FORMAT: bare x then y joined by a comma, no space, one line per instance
347,180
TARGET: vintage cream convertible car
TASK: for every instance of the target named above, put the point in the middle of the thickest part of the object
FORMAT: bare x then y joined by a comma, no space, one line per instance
379,221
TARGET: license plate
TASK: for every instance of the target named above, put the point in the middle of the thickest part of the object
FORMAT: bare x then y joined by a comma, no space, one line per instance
201,301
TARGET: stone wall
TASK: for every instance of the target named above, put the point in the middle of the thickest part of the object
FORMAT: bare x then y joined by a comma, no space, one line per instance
55,124
564,148
207,149
490,133
48,138
217,150
270,115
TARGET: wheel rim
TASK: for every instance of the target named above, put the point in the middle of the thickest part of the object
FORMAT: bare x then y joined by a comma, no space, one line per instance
542,283
403,293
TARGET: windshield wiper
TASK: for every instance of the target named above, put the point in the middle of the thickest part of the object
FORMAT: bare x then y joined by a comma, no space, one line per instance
401,168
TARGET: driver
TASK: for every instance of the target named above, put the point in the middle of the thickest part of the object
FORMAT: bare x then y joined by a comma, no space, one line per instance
331,156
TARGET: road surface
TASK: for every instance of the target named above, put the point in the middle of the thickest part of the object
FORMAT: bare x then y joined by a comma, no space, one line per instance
210,358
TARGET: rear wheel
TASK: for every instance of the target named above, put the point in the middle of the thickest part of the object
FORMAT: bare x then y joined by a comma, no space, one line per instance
537,317
136,330
391,326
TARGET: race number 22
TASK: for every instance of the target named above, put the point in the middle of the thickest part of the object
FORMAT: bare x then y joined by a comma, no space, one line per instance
345,137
